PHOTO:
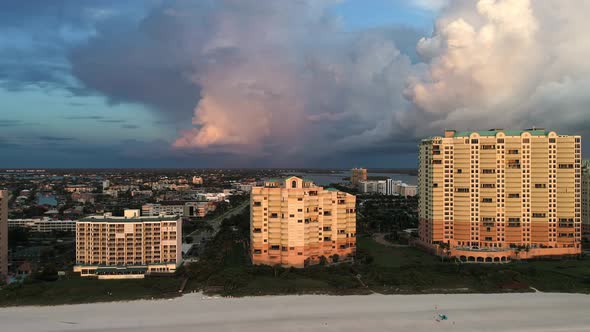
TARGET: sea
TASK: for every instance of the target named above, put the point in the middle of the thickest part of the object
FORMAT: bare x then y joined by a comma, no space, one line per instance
324,179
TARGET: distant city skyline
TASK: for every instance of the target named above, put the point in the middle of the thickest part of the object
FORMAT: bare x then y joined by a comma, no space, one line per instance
261,83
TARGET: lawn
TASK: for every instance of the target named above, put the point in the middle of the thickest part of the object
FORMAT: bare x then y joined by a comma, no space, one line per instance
409,270
393,256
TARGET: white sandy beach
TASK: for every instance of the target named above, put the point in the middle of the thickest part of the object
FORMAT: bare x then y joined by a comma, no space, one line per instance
195,312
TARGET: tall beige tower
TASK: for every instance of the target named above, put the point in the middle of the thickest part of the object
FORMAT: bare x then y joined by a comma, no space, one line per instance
586,199
293,222
357,175
496,195
3,232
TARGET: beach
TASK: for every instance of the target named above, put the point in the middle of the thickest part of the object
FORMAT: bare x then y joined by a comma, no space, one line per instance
197,312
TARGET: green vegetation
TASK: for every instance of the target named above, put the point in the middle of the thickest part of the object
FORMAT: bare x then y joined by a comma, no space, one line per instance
73,289
386,214
409,270
224,268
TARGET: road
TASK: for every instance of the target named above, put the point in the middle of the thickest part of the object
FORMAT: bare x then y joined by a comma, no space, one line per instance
380,238
216,222
537,312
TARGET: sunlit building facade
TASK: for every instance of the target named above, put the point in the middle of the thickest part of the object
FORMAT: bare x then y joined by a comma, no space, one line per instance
586,199
110,247
4,196
295,223
497,195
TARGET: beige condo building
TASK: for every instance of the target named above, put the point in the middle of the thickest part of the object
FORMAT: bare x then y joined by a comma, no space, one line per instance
132,246
4,196
586,199
497,195
294,223
357,175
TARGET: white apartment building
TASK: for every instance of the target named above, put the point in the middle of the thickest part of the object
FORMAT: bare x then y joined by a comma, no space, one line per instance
127,247
388,187
45,225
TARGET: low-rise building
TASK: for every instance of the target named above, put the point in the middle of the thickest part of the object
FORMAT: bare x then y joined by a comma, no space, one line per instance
178,208
143,193
387,187
44,225
197,180
111,247
407,190
79,188
163,208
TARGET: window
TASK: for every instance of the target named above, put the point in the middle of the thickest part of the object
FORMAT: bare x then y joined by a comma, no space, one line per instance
294,184
462,190
488,171
487,200
488,185
500,140
437,162
512,151
539,215
552,140
275,247
513,195
257,230
540,185
566,166
526,140
474,141
488,147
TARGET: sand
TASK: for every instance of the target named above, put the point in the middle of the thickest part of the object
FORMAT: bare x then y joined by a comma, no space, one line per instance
195,312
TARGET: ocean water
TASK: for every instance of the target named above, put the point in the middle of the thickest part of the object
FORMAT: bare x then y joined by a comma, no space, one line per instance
326,179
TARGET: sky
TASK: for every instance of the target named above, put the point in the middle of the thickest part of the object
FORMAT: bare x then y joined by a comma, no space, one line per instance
280,83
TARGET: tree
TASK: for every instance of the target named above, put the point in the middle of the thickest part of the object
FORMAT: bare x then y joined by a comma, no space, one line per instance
335,258
49,273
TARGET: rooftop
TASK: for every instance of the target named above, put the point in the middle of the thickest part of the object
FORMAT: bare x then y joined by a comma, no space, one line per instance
123,219
494,132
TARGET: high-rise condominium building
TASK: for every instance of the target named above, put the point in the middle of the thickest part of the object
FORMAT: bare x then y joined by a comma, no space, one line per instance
491,196
3,233
586,199
357,175
110,247
293,222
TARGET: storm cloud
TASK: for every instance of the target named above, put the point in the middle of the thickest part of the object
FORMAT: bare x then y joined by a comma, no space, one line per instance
287,80
284,78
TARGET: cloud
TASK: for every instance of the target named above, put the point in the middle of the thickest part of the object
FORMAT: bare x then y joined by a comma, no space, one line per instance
84,117
56,138
283,79
129,126
11,123
505,63
255,76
